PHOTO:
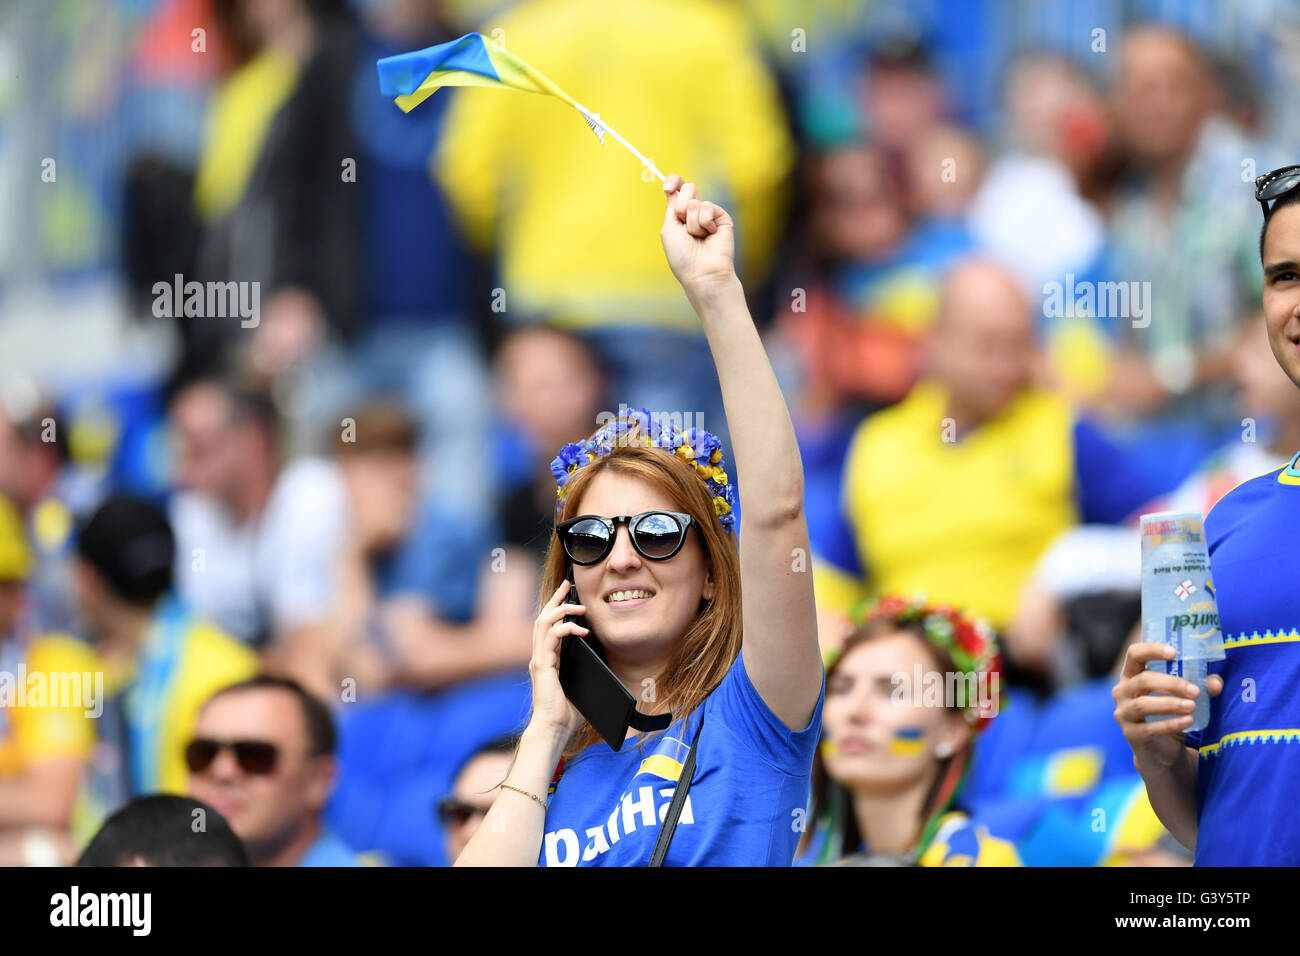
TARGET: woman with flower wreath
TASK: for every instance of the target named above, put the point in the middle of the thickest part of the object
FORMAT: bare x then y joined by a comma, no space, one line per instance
907,694
697,622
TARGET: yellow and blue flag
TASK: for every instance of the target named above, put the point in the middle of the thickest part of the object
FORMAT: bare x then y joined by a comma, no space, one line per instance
473,60
470,61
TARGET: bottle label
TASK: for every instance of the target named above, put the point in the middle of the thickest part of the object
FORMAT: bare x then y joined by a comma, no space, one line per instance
1178,599
1174,637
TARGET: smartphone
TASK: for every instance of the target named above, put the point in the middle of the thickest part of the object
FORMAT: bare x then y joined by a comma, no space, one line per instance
594,689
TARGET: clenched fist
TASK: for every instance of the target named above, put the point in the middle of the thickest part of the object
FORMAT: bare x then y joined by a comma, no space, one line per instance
698,239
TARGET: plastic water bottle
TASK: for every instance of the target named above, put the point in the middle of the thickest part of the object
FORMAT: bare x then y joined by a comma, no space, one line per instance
1178,603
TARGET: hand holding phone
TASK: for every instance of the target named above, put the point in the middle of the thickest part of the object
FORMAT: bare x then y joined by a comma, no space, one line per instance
551,708
595,690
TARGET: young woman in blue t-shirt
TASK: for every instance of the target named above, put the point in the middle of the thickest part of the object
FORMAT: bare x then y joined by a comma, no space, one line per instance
670,605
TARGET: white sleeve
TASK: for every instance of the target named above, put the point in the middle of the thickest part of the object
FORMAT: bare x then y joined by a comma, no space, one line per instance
1090,558
299,544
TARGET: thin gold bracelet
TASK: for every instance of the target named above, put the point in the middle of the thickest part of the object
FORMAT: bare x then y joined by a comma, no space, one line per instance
530,796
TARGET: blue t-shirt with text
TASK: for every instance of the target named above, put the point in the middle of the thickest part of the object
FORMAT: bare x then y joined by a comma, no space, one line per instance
747,805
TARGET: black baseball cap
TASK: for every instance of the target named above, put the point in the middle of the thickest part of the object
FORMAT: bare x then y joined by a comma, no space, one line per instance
130,543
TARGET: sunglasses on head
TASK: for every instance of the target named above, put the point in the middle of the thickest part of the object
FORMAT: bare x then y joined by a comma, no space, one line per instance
656,535
253,756
454,813
1275,185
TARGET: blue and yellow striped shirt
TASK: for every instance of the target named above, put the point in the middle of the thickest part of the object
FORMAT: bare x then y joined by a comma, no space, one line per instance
1248,779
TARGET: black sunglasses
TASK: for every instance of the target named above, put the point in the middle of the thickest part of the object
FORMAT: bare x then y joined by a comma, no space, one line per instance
253,756
454,813
1275,185
656,535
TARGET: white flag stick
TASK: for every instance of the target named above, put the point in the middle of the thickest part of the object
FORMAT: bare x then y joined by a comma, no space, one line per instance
600,127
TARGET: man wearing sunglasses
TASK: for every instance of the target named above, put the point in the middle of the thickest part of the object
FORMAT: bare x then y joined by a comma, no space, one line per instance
262,755
1228,791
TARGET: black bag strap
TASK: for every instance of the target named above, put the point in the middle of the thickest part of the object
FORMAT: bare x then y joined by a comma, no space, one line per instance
669,825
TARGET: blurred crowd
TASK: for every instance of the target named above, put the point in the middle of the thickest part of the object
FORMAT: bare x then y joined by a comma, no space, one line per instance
1004,255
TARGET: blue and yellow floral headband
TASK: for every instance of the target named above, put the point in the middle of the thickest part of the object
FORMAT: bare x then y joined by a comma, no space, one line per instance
698,448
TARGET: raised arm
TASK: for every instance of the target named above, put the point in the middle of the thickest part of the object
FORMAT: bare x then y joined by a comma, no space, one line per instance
780,622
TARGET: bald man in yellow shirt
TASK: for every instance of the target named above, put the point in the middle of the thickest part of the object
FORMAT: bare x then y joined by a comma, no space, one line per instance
956,492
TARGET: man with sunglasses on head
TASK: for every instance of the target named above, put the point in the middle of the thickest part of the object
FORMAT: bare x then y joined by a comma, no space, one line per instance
263,756
1228,791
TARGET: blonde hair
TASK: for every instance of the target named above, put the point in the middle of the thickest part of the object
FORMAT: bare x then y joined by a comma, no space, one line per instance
710,644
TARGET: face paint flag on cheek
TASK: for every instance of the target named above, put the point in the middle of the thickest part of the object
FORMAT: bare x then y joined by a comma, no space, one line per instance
907,742
473,60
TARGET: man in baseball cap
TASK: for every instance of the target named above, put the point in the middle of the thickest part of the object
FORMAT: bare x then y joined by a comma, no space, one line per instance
160,662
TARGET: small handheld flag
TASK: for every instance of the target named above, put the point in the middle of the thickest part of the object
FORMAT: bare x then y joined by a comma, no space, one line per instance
411,78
